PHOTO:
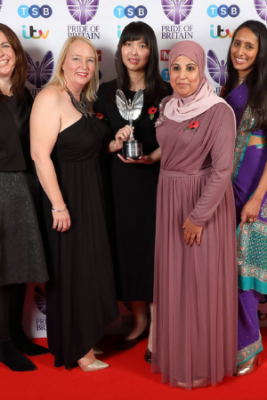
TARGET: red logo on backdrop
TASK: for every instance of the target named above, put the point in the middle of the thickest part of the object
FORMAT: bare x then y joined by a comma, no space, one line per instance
164,55
99,54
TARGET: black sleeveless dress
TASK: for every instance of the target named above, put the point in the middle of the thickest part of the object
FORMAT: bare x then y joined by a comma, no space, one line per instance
81,299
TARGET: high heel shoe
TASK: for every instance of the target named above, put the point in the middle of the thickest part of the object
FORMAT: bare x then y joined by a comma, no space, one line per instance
249,366
126,344
97,365
148,356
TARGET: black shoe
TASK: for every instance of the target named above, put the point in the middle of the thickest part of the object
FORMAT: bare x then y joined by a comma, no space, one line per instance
12,358
129,344
25,345
147,356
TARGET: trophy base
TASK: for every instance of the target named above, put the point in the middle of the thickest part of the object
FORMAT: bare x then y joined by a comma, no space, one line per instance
132,149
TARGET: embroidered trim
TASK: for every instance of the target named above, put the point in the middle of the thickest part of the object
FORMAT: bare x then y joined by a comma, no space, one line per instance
264,210
242,139
252,250
246,353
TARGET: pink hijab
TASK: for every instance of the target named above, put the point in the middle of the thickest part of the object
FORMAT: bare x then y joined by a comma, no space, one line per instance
183,108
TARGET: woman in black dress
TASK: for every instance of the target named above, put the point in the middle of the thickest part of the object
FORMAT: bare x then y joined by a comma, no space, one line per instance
21,253
132,192
67,141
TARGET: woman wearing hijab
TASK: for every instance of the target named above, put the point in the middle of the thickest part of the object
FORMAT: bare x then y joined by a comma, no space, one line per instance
195,291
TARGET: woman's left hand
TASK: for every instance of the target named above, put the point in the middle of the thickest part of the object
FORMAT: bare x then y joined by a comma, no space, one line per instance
141,160
250,211
192,232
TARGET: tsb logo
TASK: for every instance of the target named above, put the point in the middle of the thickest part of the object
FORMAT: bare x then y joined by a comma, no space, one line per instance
164,55
223,11
35,11
165,74
130,12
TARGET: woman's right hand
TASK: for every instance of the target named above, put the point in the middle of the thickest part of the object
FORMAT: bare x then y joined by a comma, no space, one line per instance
61,220
124,133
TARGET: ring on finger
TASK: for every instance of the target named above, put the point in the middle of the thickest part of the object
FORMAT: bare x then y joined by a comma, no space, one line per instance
250,220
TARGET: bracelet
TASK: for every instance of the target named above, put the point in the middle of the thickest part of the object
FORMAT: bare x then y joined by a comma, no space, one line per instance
54,209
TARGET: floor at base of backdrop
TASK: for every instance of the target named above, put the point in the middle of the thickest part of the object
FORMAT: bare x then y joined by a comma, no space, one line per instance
128,378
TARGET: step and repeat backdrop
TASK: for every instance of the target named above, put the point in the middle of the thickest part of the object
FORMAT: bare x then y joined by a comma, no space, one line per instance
43,25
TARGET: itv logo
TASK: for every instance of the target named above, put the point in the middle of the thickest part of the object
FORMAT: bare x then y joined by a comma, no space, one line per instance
219,32
32,32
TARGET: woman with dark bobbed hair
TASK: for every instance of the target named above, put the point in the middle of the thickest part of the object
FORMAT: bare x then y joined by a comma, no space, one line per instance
246,92
21,252
132,196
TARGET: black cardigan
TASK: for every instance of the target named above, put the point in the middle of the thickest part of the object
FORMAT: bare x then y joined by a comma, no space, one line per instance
14,133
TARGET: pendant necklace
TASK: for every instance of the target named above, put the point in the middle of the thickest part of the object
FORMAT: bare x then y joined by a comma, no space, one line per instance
82,106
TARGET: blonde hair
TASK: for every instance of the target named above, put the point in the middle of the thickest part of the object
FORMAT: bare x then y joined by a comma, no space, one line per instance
58,79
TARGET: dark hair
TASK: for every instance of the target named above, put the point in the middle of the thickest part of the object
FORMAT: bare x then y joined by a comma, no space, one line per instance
256,80
155,83
19,75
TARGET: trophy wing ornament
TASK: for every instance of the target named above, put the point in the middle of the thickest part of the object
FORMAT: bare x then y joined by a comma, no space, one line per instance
137,104
122,104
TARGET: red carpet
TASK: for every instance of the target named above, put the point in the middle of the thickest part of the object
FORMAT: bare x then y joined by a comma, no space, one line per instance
128,378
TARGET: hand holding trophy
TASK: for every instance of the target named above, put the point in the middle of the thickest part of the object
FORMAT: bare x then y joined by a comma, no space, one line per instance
130,111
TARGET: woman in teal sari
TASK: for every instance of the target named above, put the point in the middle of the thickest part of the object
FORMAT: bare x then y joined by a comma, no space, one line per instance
246,92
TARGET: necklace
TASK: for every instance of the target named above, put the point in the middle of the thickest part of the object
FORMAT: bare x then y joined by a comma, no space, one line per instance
241,80
82,106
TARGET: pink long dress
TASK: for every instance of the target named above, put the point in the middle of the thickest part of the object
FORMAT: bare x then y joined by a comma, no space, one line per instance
195,290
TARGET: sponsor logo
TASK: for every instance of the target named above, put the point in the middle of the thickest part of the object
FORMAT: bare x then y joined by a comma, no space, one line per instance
1,2
119,30
164,55
223,11
35,11
218,32
39,73
83,10
41,324
34,33
40,299
261,8
177,11
99,55
217,70
130,12
165,74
